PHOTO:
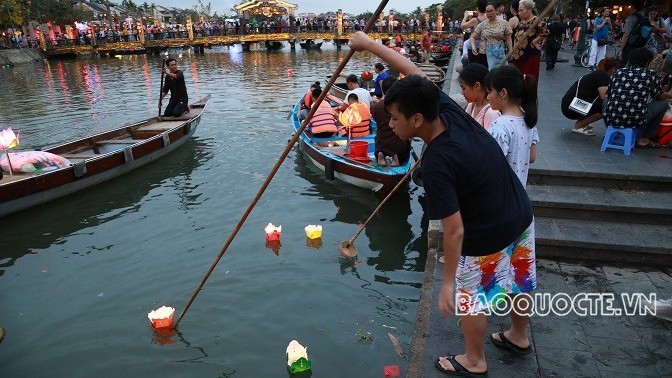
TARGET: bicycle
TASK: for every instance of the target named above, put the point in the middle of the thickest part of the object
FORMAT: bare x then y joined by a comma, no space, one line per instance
612,51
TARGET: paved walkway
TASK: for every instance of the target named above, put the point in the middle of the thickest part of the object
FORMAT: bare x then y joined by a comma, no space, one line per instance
570,346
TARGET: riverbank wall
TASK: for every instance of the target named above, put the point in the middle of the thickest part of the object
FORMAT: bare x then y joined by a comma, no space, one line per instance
12,57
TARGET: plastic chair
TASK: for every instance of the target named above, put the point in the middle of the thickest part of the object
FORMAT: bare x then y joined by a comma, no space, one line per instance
619,138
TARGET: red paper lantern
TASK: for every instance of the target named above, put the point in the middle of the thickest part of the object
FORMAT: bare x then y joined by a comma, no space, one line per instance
366,76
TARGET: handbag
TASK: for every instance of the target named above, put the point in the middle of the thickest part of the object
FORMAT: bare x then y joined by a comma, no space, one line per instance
602,41
578,105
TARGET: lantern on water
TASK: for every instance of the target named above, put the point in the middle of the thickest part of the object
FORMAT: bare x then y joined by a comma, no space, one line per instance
272,232
297,357
313,231
162,317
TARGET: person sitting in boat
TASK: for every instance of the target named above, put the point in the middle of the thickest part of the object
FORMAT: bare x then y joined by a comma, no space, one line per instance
179,100
307,101
355,119
388,143
323,123
382,75
353,87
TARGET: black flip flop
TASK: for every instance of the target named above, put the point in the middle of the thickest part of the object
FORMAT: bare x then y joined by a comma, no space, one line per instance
460,371
506,344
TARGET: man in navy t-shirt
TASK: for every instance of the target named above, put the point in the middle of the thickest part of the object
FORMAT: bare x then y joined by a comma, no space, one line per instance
488,228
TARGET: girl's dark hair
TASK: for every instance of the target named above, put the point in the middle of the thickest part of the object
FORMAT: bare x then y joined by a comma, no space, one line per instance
480,5
521,88
316,92
315,84
474,73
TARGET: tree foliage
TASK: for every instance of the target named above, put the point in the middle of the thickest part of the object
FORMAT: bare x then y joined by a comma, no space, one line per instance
57,11
10,13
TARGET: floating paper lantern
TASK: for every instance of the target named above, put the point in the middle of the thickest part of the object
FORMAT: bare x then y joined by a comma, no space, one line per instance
161,317
313,231
273,232
297,357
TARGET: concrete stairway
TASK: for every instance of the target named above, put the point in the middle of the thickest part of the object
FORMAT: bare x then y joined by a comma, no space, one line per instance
602,217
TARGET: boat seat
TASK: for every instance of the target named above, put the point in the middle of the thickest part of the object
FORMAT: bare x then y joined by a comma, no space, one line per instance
80,156
118,141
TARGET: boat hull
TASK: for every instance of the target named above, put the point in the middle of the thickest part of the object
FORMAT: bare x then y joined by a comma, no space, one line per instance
21,193
336,166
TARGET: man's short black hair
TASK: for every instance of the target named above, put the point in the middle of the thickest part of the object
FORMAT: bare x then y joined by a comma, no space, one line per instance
640,57
352,79
170,60
414,94
379,67
353,96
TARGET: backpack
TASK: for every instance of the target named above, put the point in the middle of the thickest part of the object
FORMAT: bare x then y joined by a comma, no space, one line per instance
640,32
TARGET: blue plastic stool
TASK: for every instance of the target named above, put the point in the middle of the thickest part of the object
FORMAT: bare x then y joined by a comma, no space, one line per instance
619,138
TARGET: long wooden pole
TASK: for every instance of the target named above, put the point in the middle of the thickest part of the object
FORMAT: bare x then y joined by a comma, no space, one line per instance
375,211
278,163
163,74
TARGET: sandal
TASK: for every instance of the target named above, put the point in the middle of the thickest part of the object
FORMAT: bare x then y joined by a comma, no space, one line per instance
505,343
584,131
460,371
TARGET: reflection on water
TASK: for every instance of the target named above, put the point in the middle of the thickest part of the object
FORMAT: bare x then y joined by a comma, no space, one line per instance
45,224
99,260
388,232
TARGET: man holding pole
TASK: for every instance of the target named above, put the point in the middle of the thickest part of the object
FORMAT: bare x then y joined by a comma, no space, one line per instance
488,228
179,99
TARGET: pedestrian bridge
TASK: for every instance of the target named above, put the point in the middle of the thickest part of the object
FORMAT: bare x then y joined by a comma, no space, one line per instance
155,46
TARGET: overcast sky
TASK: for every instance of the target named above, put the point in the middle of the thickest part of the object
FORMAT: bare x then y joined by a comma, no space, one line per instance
314,6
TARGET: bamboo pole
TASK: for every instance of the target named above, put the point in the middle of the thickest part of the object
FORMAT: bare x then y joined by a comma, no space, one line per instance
279,162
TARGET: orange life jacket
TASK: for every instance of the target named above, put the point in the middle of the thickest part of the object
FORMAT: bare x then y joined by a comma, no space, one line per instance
357,118
308,99
323,120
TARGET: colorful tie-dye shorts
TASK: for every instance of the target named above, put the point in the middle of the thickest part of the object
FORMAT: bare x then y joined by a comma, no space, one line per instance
483,282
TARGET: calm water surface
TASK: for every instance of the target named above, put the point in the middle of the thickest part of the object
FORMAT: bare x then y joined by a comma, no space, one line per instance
79,275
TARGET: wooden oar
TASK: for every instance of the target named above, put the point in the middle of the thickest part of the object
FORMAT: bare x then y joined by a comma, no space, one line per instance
347,247
281,159
163,74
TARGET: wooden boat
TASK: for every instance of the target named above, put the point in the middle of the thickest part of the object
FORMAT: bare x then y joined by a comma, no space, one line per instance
310,45
99,158
434,73
274,45
331,156
441,60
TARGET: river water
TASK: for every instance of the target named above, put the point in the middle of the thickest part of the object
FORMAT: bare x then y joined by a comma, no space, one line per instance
79,275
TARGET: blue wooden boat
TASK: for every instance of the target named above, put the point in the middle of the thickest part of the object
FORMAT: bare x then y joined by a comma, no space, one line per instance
331,156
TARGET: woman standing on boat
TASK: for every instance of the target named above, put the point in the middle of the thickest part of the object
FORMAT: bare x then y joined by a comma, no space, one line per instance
178,90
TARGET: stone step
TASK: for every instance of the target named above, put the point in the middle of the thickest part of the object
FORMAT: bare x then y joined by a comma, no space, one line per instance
601,203
599,180
600,241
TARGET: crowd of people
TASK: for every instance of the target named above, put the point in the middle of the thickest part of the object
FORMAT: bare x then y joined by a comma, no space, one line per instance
495,39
